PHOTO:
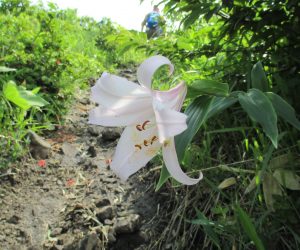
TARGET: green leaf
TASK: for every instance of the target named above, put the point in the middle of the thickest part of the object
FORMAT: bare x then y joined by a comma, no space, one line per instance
5,69
164,176
258,77
210,87
248,227
287,178
219,104
200,109
197,112
228,182
260,109
207,227
22,97
270,187
283,109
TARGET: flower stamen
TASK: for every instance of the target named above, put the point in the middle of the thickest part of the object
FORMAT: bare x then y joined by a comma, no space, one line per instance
144,124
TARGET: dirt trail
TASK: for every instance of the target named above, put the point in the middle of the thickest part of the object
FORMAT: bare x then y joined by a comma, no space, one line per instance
72,200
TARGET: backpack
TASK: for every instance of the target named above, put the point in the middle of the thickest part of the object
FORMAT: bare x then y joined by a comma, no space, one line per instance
152,20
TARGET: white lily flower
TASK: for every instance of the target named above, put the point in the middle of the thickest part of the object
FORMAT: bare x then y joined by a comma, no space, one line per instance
151,117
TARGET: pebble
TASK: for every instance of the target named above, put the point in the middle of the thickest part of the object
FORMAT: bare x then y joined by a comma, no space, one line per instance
127,224
104,213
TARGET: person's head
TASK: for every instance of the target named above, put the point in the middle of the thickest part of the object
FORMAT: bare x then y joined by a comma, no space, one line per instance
155,8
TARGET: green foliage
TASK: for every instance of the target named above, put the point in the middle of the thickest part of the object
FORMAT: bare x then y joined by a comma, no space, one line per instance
248,227
254,47
46,55
21,97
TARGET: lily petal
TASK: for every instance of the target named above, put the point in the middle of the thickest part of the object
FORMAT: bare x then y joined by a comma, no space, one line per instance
169,122
171,161
121,95
135,148
149,66
174,97
106,117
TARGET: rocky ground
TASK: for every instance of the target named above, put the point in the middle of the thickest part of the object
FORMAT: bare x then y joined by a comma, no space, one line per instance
65,196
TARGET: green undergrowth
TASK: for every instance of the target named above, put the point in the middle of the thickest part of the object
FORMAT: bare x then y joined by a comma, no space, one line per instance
53,53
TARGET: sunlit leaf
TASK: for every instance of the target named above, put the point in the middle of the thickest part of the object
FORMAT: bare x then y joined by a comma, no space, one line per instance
5,69
258,77
287,178
260,109
255,181
210,87
227,183
21,97
248,227
283,109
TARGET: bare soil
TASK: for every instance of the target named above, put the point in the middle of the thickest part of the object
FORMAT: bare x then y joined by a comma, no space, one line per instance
74,201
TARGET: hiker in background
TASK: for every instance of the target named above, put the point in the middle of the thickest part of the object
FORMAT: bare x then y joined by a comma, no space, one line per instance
153,22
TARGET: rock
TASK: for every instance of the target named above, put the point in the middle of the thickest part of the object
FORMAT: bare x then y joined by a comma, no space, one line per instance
92,151
102,202
39,147
109,134
56,231
129,224
69,150
95,130
14,219
104,213
90,242
85,101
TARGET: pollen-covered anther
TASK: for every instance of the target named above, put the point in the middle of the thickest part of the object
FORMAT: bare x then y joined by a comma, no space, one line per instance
146,143
137,146
153,139
144,124
139,127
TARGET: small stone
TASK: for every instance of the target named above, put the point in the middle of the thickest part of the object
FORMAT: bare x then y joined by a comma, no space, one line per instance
128,224
108,222
39,147
102,202
56,231
104,213
95,130
59,182
109,134
92,151
14,219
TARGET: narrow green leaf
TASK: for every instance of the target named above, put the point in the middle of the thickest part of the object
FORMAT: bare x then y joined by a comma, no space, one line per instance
260,109
283,109
207,227
249,227
164,176
5,69
197,112
210,87
258,77
200,109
